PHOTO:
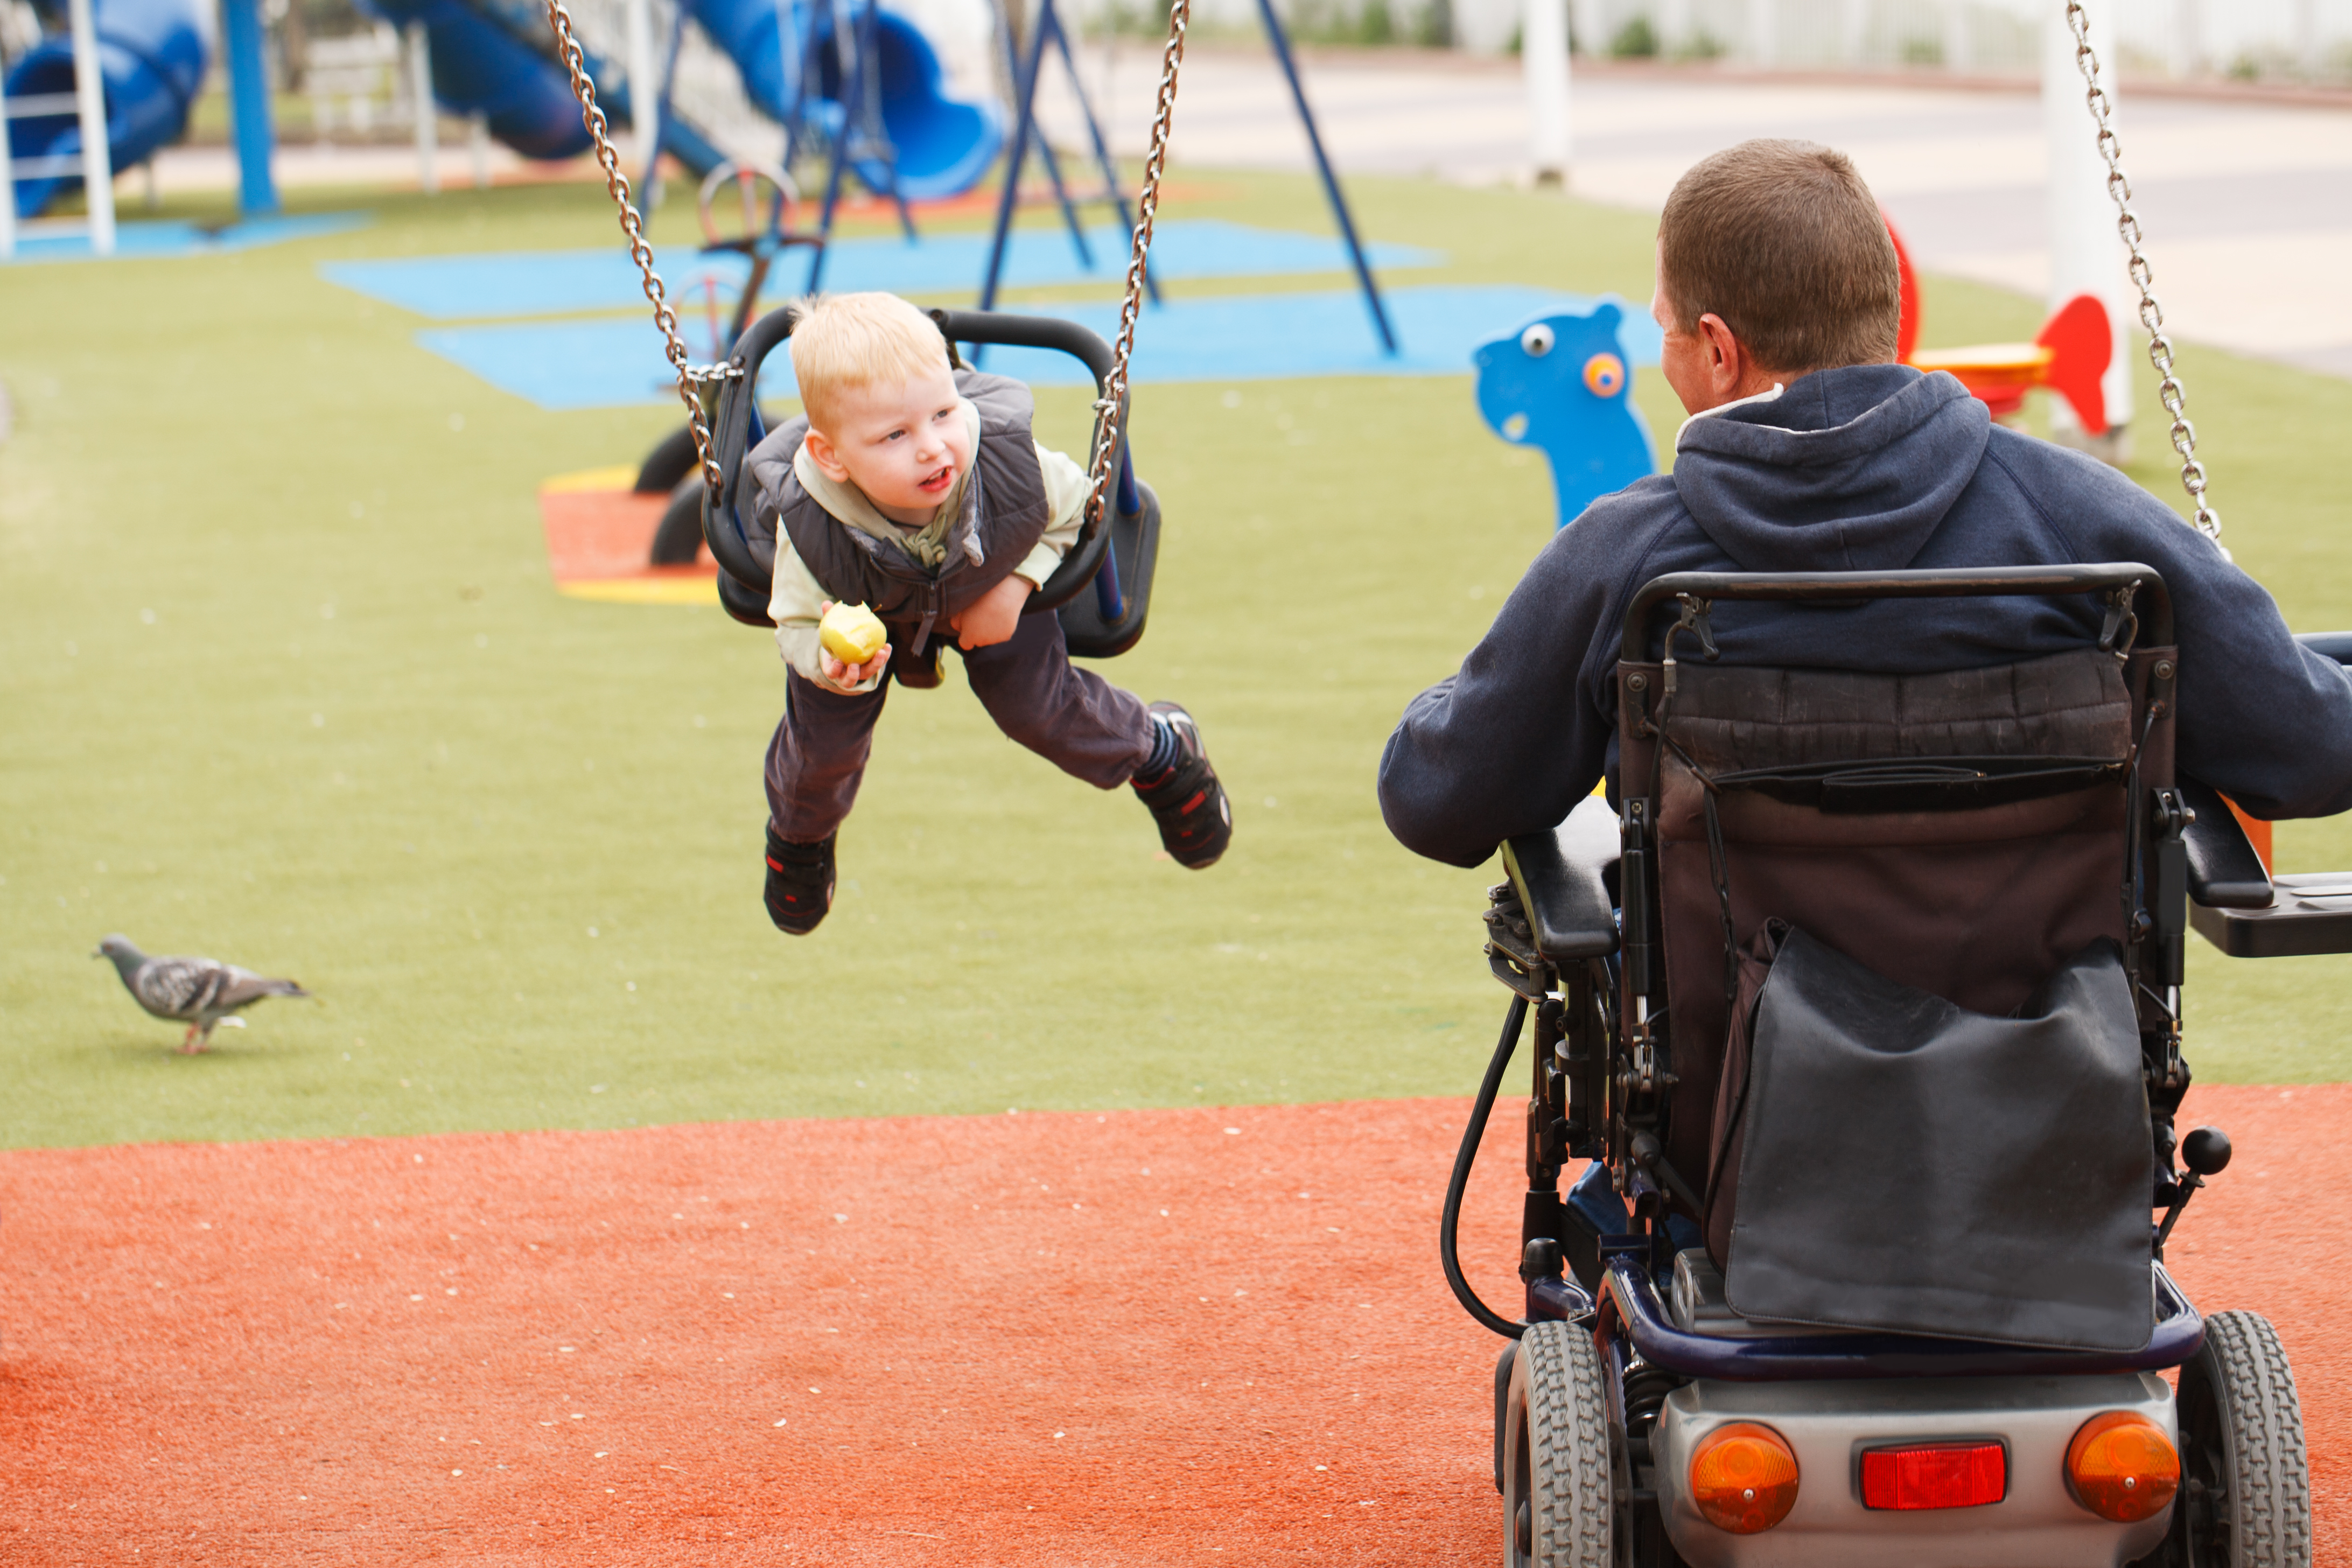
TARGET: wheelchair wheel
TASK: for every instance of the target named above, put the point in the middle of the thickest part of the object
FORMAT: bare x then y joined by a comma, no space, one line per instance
2245,1491
678,541
1556,1459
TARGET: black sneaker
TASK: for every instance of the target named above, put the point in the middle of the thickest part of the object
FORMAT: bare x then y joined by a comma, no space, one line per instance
799,883
1196,821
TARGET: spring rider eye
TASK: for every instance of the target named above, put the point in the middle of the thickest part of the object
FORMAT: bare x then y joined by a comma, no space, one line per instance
1537,340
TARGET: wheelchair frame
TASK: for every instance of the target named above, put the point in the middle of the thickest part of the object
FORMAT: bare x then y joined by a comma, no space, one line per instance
1574,934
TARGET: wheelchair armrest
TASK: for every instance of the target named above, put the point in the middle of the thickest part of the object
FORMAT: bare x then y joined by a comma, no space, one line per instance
1559,878
2313,914
2336,645
2224,872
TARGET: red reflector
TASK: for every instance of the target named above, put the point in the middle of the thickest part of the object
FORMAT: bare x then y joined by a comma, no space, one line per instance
1938,1475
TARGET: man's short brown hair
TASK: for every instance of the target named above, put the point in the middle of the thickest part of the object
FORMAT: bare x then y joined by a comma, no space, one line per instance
1784,242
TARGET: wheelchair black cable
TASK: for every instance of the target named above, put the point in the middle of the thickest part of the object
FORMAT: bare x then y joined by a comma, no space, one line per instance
1449,1221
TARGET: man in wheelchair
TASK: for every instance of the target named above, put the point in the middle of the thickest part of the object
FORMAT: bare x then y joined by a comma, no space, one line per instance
1861,993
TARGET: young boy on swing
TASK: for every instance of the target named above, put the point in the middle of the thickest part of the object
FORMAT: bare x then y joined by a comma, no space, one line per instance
916,489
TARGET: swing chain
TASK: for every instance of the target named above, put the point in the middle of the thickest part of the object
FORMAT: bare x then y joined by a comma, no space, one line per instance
1113,402
2169,391
690,377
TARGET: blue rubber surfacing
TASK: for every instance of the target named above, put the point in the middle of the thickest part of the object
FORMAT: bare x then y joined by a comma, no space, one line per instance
548,283
146,239
1257,337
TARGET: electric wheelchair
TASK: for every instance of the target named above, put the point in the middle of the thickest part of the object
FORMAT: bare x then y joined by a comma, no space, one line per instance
1865,1007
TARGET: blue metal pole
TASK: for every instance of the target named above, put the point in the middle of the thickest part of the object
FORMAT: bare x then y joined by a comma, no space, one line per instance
1025,117
248,93
869,72
1274,35
1102,151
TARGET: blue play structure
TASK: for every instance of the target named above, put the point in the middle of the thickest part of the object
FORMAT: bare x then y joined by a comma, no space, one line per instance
496,57
1563,382
152,54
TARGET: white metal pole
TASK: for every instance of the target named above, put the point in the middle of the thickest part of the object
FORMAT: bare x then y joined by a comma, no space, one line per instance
1763,32
1854,31
1960,38
7,181
96,155
2087,256
428,118
644,87
1543,51
2187,38
1588,36
1674,26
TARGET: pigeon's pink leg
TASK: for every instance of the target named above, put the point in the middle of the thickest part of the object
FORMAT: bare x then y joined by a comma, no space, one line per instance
190,1045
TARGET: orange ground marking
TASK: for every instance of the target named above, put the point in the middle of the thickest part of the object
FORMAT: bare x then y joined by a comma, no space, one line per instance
599,534
950,1341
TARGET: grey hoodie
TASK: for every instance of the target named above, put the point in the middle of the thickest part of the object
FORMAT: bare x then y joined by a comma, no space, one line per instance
1867,467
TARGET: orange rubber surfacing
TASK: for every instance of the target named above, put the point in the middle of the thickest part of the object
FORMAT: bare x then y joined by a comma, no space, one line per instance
599,535
922,1341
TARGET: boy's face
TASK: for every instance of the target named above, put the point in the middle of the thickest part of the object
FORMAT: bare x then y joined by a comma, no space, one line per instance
903,445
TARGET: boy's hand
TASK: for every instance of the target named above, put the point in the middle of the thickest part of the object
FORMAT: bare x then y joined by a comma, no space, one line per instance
845,678
993,616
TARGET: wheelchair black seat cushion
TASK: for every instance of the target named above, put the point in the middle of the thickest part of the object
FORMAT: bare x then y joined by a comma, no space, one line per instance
1907,1166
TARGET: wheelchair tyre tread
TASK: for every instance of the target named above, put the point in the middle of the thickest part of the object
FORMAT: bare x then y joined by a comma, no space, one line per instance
1566,1459
2240,1390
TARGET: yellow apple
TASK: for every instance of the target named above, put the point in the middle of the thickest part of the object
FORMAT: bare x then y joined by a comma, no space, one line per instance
851,633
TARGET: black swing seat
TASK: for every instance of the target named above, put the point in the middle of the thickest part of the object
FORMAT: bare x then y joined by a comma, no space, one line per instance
1117,558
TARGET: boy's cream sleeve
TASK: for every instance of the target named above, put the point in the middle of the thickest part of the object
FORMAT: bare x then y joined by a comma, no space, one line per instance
1066,505
796,605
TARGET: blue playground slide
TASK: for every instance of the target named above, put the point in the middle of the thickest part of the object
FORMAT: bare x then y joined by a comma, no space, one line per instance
152,54
943,144
496,57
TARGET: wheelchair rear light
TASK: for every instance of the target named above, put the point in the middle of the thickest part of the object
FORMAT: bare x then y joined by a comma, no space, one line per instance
1935,1475
1743,1478
2122,1466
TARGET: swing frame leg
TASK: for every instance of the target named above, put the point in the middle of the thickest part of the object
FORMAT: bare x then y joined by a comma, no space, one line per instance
1281,42
1102,148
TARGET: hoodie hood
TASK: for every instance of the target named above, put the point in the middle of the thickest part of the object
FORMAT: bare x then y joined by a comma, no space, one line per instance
1847,470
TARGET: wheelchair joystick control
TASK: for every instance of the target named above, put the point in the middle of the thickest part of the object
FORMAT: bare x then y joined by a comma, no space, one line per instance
1541,1259
2206,1151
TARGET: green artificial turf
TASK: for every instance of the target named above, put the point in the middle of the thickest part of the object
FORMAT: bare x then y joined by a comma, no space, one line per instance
286,681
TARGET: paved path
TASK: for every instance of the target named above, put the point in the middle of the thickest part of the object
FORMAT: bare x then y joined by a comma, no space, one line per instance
2245,203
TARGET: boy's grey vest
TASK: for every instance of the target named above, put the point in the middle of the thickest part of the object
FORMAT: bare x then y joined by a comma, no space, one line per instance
1003,519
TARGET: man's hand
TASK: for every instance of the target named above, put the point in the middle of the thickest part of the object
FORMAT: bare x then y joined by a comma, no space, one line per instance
845,678
992,617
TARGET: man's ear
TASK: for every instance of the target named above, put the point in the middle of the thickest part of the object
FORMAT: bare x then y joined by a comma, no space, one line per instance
821,452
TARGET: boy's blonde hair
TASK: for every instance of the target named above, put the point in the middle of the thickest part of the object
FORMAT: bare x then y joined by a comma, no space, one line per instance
844,342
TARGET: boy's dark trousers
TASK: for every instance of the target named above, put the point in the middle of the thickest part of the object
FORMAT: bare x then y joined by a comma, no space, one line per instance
1073,717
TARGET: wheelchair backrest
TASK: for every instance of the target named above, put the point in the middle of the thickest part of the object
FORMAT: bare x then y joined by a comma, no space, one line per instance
1963,833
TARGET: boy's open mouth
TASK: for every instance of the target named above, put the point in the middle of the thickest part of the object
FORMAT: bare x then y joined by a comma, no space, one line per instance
937,482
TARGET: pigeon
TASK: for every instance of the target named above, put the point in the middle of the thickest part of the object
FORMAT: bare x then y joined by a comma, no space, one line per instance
201,993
